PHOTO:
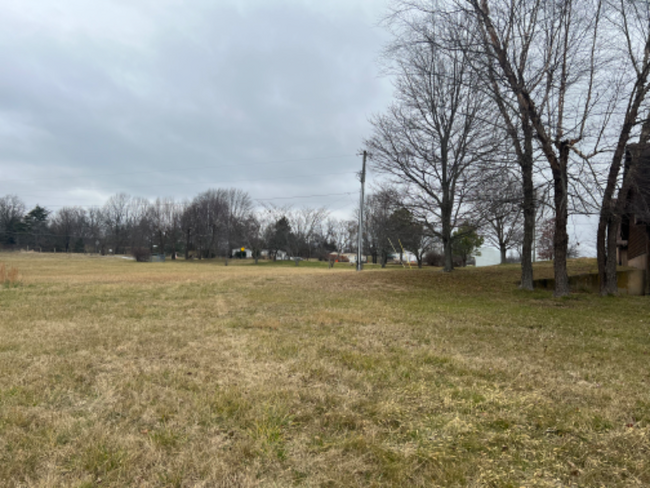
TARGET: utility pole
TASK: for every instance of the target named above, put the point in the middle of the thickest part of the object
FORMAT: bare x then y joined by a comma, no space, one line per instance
360,240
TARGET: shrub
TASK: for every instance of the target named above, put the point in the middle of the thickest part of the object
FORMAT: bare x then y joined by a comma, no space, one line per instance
434,258
8,275
141,254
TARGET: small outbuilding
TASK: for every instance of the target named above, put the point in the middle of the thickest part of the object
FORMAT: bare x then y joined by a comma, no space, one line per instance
487,256
242,253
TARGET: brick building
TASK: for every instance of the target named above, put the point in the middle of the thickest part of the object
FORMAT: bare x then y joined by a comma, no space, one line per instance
634,233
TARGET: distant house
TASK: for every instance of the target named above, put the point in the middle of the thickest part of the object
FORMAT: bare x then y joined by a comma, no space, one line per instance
346,257
404,257
352,257
279,255
633,244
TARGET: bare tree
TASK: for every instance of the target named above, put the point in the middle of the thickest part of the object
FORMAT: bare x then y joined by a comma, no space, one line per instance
116,216
163,219
307,224
499,206
95,226
254,231
630,24
12,210
543,55
68,224
138,224
206,219
431,137
239,207
342,234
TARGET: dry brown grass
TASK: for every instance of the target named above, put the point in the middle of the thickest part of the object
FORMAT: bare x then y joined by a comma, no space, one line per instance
116,373
9,276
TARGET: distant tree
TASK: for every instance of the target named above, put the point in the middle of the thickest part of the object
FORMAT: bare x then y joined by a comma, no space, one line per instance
138,224
69,225
12,210
307,225
545,240
253,229
115,214
188,223
79,246
499,206
238,209
466,242
431,138
208,215
36,224
95,229
404,229
545,247
377,212
280,237
161,220
343,234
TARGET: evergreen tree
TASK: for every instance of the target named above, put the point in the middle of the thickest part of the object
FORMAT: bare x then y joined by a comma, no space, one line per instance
36,224
466,242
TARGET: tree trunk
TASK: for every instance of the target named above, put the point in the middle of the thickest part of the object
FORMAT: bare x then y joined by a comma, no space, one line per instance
504,252
187,244
611,215
528,187
561,238
608,230
601,250
162,242
448,251
611,281
646,284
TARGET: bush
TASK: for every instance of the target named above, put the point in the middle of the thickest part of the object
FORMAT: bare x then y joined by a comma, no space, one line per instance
434,258
8,275
141,254
437,259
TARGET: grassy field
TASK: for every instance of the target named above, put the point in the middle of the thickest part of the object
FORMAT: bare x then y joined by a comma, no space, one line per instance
116,373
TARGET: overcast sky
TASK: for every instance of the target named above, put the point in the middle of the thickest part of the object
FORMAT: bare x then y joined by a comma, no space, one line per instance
170,98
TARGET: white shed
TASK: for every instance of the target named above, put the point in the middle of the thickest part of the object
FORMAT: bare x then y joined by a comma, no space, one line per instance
489,256
236,252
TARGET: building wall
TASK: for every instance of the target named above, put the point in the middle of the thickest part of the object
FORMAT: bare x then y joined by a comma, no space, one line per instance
490,256
638,262
637,243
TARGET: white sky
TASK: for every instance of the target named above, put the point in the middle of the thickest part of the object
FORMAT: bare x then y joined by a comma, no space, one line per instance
171,98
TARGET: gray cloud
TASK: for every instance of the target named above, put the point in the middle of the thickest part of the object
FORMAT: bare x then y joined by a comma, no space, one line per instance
130,96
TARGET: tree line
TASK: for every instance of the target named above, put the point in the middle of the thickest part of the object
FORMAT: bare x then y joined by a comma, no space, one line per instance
218,223
212,224
505,107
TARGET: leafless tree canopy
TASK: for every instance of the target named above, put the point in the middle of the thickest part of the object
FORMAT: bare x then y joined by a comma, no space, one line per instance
430,140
